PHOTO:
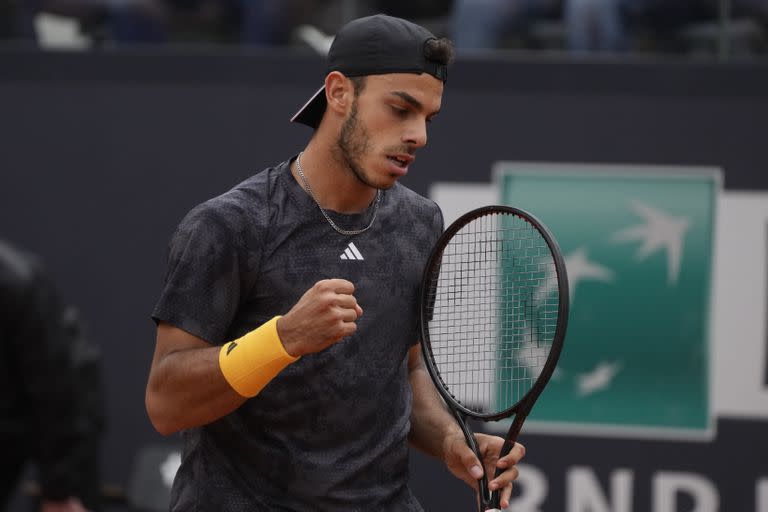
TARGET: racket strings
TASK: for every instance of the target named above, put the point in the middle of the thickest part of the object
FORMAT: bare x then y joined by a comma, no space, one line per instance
493,313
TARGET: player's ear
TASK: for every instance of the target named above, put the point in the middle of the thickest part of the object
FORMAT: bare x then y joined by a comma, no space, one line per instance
339,92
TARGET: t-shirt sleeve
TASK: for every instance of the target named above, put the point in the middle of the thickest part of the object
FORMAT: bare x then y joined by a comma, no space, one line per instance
434,230
203,280
438,223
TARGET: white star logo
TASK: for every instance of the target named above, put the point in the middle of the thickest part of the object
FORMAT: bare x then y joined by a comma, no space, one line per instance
598,379
581,268
660,231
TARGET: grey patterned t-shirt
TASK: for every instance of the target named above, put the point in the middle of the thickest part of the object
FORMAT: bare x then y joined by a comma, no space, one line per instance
330,431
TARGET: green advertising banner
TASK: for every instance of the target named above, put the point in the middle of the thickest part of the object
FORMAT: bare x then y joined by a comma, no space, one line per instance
638,244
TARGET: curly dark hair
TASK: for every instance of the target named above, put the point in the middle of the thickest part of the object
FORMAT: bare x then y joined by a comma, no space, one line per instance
439,50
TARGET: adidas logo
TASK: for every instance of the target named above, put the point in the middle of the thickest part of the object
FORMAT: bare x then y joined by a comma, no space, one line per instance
351,253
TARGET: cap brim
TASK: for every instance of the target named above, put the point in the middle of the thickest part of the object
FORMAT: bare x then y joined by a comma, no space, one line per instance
312,111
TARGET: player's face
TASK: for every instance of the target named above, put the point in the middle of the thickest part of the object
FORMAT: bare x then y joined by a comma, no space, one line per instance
386,124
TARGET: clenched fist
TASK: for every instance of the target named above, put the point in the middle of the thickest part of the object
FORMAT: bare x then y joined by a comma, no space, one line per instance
325,314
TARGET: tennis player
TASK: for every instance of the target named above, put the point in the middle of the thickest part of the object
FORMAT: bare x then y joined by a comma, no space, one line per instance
287,341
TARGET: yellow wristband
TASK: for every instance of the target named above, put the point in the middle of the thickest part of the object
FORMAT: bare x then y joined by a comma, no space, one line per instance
250,362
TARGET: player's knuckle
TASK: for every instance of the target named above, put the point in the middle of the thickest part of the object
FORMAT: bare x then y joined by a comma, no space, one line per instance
329,299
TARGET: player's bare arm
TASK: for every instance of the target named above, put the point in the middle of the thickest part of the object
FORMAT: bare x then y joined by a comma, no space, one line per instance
431,423
186,386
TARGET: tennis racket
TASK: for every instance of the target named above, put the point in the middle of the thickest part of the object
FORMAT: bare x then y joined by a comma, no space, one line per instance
494,310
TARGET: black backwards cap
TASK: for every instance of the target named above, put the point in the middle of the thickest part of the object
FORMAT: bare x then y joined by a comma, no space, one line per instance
374,45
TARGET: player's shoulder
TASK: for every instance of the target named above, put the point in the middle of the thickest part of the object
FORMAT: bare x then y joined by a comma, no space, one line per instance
245,204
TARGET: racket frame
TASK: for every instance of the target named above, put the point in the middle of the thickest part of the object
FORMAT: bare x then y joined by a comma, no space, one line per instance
523,406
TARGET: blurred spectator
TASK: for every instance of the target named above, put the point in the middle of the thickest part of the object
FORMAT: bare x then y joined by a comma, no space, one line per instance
51,412
7,19
483,24
662,19
680,25
590,25
600,25
254,22
595,25
271,22
121,21
666,14
576,25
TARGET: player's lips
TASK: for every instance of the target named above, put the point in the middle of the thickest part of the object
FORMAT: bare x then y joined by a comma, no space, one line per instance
400,162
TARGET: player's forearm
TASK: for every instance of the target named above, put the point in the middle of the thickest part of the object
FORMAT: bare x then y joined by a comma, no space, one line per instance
192,383
431,422
187,389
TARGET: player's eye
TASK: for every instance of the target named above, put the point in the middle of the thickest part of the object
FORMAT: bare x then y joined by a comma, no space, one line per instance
399,111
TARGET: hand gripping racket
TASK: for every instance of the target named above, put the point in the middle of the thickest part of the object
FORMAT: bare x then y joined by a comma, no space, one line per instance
494,309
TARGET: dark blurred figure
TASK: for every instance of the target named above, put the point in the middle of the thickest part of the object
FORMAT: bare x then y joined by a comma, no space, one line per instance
250,22
588,25
484,24
673,13
8,18
670,21
119,21
595,26
271,22
608,25
51,406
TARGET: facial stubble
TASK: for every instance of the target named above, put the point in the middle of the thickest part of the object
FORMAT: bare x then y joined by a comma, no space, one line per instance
353,143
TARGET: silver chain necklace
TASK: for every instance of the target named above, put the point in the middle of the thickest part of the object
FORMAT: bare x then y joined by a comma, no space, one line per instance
325,214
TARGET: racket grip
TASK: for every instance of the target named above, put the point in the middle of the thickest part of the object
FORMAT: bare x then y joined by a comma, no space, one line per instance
484,496
509,442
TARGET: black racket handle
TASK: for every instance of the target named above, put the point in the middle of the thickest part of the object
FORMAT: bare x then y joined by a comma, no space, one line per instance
482,483
514,431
